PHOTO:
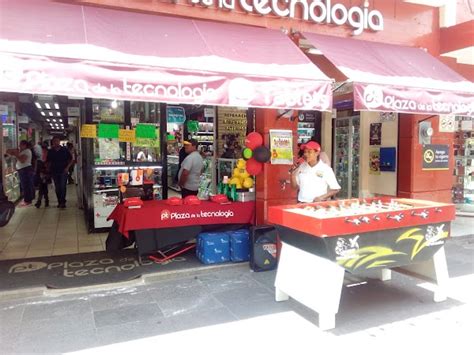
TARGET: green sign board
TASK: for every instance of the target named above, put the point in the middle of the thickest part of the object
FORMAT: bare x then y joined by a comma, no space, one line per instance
145,131
149,142
108,130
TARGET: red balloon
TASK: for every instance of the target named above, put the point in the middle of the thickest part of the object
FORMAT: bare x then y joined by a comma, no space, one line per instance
253,140
253,167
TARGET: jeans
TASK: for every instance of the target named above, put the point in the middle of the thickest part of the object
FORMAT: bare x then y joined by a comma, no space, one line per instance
26,183
60,184
43,192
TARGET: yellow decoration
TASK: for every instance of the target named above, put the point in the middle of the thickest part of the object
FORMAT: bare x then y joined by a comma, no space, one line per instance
234,181
236,172
241,164
244,175
248,182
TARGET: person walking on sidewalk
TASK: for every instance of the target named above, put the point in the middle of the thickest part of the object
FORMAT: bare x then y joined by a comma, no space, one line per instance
59,161
44,179
25,171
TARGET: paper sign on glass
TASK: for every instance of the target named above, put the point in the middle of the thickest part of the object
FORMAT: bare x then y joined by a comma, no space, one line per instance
127,135
89,131
108,130
145,131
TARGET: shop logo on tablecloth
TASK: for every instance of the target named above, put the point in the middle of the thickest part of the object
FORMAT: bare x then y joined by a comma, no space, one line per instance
165,214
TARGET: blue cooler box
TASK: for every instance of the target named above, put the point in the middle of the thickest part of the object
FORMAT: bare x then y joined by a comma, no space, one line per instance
239,245
213,248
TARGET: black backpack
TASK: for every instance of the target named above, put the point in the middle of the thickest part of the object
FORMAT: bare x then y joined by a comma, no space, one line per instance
7,209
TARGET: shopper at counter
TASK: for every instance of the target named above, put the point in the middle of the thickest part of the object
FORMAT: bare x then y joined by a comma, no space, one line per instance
190,172
59,161
314,178
25,171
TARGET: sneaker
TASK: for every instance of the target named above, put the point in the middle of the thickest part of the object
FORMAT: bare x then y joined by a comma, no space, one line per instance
62,206
24,204
38,204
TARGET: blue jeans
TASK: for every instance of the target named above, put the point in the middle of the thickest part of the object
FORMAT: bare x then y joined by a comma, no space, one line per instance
26,183
60,184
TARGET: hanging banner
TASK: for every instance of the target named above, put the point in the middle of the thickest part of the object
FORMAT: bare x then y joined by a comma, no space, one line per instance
435,157
127,135
88,131
145,131
281,147
108,130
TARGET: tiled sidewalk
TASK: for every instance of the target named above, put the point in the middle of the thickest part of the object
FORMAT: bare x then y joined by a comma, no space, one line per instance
48,231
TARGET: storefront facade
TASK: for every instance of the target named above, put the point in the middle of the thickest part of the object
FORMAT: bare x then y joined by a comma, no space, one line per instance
297,82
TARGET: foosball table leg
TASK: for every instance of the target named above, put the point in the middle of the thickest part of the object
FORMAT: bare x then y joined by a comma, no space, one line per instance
384,275
311,280
434,270
280,295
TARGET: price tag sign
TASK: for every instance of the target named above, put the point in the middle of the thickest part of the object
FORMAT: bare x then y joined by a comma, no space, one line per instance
89,131
145,131
127,135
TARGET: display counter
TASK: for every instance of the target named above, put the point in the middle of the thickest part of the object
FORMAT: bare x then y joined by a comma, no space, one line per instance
157,224
320,241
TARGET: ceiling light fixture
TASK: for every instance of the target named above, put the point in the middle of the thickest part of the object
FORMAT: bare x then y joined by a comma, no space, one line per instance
56,106
38,105
50,113
42,113
54,120
58,113
48,119
114,104
47,106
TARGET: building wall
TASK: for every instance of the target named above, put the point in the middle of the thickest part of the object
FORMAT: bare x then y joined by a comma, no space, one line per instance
386,182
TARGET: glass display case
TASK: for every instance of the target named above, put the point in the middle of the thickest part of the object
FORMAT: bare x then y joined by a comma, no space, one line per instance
173,164
346,155
463,187
11,179
111,157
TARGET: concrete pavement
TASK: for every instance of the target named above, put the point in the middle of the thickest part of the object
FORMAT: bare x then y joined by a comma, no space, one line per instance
232,310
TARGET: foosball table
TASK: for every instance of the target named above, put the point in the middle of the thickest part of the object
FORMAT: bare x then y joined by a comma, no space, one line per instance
321,241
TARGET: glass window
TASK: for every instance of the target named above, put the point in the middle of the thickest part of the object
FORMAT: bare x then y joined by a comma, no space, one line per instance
109,151
104,111
146,150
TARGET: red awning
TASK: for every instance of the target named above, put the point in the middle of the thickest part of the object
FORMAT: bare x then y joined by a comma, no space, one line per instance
396,78
55,48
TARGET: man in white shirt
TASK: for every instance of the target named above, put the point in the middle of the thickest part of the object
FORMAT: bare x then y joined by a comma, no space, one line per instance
189,174
25,171
314,178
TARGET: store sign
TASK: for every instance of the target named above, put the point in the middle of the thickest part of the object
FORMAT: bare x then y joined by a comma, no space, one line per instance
175,115
73,111
370,97
447,123
435,157
317,11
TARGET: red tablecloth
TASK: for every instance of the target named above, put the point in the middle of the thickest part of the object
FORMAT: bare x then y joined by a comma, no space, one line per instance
158,214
